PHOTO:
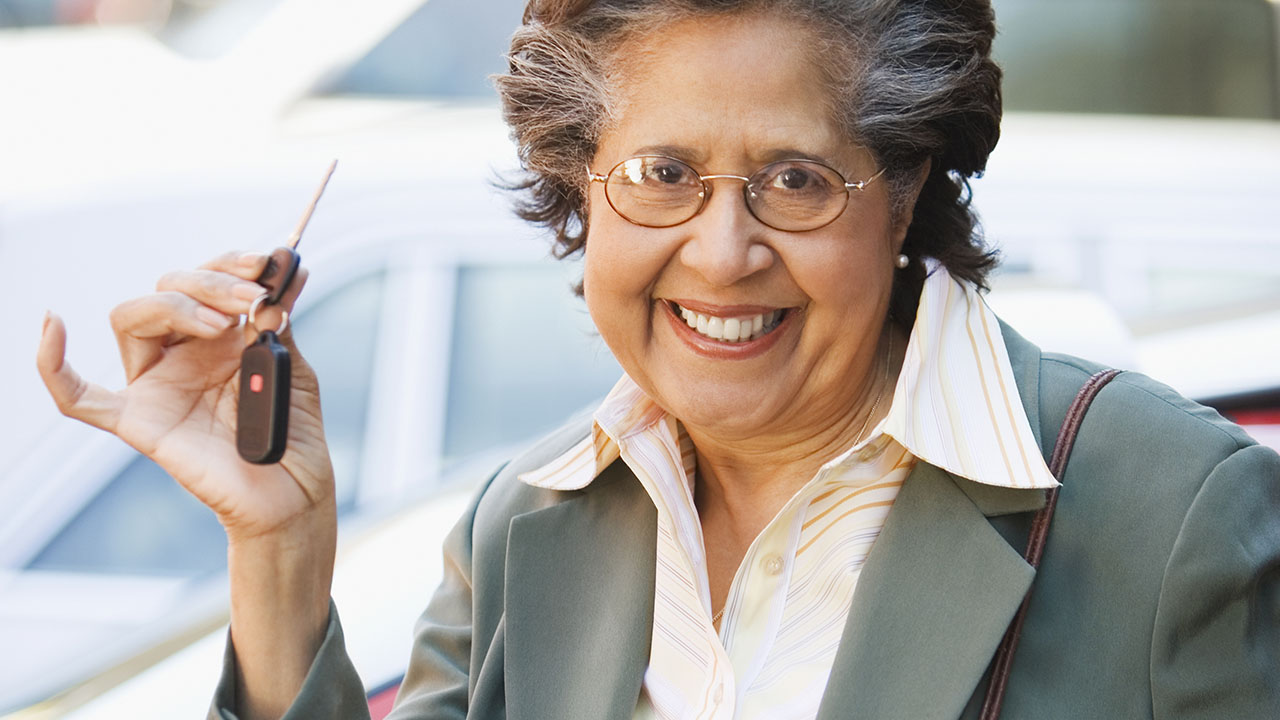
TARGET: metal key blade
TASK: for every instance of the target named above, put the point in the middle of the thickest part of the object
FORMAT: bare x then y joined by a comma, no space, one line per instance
283,262
296,237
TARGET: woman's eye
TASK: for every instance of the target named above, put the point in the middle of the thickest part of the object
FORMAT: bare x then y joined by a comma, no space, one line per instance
793,179
668,174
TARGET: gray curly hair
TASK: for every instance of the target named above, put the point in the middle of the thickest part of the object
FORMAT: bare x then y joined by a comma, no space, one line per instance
911,80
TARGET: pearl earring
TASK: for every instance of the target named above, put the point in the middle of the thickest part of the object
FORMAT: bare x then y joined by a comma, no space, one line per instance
902,262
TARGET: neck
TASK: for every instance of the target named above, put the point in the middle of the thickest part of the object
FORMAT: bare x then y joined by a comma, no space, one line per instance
751,478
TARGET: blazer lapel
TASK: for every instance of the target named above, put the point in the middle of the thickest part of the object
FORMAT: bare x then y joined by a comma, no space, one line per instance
579,602
935,596
938,589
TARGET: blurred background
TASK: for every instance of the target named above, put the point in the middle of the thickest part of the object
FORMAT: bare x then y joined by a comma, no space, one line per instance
1133,195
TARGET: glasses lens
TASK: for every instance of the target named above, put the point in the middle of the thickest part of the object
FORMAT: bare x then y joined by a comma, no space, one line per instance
654,191
796,195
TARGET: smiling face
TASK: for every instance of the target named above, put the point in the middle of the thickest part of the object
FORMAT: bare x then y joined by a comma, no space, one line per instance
728,95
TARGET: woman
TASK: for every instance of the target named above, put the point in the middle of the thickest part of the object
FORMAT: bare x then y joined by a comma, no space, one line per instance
780,255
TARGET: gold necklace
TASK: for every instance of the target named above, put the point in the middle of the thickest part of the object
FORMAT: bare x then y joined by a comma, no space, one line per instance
888,356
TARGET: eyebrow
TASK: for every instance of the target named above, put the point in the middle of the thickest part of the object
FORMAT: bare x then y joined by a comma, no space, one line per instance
692,156
678,152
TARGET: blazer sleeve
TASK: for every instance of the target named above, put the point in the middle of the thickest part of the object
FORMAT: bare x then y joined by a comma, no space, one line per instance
1216,646
436,684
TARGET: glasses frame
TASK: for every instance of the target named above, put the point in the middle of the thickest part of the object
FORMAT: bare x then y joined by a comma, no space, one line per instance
707,189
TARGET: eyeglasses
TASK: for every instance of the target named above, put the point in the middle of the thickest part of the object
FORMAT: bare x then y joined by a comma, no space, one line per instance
793,195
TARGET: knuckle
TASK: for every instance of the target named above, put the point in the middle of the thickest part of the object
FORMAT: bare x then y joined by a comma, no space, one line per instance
220,260
210,283
169,280
118,314
67,402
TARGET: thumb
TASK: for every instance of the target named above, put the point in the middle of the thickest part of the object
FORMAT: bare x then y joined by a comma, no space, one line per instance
74,396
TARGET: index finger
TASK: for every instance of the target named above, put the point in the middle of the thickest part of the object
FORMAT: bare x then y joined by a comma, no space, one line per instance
242,264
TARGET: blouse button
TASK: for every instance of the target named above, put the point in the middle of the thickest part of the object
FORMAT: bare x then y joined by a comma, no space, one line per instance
773,564
871,452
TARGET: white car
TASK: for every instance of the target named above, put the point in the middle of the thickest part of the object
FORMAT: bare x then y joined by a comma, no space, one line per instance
435,346
440,327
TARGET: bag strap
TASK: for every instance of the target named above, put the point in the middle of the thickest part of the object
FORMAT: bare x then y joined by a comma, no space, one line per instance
1039,533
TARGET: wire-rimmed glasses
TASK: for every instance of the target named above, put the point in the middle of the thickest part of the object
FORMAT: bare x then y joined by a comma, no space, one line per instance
793,195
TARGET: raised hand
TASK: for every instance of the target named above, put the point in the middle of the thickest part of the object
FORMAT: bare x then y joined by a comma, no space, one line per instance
180,348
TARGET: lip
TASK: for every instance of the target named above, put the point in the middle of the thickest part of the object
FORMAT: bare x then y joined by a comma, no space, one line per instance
707,347
724,311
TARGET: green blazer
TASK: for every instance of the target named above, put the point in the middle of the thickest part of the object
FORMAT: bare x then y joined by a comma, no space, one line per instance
1158,595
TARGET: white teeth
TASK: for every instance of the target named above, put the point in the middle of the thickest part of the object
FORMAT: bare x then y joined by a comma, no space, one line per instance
732,326
732,330
715,328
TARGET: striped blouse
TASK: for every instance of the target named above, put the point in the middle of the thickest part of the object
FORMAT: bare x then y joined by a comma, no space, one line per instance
954,406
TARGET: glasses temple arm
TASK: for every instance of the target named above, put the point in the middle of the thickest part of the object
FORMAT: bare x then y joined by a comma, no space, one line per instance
864,183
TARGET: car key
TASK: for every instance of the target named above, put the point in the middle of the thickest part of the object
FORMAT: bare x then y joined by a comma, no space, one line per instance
283,262
266,370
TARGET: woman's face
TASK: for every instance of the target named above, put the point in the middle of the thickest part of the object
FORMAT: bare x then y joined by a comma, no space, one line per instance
727,96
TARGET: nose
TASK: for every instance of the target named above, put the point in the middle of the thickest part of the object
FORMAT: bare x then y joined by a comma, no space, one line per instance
725,243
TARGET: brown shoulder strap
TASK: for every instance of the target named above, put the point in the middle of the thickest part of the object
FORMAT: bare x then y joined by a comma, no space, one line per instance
1039,533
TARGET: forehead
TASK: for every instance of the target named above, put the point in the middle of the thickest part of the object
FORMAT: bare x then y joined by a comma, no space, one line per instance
723,88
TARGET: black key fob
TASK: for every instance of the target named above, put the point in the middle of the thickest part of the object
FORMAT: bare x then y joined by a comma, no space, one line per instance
282,265
262,421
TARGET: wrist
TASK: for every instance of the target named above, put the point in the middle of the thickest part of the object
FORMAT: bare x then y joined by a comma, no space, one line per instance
280,584
293,562
286,530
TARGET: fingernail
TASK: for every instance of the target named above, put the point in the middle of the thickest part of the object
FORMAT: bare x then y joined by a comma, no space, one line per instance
213,318
247,290
250,259
44,326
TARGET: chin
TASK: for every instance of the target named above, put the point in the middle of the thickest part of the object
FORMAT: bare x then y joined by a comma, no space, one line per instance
726,409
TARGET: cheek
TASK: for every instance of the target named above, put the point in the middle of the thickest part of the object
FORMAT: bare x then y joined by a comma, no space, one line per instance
621,262
842,270
614,285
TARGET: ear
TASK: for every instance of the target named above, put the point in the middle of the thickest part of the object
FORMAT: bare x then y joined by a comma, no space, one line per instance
903,221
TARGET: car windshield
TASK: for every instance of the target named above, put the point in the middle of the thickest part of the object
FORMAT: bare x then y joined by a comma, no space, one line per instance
1178,57
1209,58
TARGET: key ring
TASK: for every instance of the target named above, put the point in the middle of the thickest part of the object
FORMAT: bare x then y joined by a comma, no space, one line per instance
253,314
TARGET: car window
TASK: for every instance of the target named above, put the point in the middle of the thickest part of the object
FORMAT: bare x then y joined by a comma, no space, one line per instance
143,522
338,336
27,13
446,48
524,357
1211,58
